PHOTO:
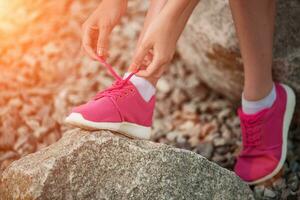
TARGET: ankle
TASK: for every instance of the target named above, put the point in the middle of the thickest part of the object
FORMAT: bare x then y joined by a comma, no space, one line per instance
144,86
252,107
255,93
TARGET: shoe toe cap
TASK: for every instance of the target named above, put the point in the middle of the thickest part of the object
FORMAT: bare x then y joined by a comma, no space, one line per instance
102,110
251,169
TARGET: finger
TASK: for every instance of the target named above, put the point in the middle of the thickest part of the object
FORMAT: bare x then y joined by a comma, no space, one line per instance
148,58
87,43
155,75
103,42
154,66
139,57
146,62
160,71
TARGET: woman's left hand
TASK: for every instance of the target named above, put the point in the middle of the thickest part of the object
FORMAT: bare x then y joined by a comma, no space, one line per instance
160,38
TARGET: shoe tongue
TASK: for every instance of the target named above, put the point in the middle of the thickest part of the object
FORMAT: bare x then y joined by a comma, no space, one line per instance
254,116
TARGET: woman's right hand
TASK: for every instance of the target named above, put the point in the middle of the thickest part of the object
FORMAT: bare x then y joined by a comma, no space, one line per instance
97,28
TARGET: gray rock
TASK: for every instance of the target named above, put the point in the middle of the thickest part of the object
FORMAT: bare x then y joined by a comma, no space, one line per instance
100,165
210,47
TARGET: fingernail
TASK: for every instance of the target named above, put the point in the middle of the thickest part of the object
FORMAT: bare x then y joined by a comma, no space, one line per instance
99,53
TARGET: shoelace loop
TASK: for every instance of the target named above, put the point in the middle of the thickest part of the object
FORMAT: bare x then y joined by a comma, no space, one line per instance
119,87
253,129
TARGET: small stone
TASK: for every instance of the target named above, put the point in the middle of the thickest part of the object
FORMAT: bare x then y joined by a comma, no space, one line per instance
207,129
50,48
293,182
178,96
295,166
259,192
40,132
30,60
219,141
33,124
189,108
188,125
222,150
223,114
163,86
193,140
279,184
184,145
27,148
164,109
205,149
158,125
219,105
219,158
163,140
292,197
180,139
15,103
7,141
211,136
171,136
23,130
269,193
23,139
50,139
204,106
8,155
226,134
234,122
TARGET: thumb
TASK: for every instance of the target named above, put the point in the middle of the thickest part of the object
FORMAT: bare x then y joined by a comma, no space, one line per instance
103,42
139,56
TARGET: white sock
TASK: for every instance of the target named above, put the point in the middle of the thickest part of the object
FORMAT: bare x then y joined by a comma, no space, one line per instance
145,88
252,107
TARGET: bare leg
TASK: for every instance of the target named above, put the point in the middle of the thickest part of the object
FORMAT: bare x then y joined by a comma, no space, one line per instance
254,21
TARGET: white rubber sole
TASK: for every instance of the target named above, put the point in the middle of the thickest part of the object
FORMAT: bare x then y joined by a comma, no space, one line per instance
288,115
125,128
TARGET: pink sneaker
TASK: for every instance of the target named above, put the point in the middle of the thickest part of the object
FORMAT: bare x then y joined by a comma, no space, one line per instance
264,137
119,108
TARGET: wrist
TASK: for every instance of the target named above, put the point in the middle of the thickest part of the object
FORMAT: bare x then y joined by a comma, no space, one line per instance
120,5
175,9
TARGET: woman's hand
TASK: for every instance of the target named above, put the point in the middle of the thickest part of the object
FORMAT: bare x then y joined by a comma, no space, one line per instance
156,48
160,38
97,28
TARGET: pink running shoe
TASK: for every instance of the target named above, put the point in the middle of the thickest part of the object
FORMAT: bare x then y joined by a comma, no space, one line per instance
264,137
119,108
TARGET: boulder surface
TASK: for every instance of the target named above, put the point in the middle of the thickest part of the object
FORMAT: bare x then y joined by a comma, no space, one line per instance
100,165
209,45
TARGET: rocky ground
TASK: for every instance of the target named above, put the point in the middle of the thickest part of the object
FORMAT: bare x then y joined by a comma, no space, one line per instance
44,74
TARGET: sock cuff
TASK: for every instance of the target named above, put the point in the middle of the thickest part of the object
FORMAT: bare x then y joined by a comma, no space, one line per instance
145,88
139,79
251,107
